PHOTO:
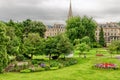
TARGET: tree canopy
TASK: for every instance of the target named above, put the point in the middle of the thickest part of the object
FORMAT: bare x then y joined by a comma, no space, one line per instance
3,43
79,27
101,38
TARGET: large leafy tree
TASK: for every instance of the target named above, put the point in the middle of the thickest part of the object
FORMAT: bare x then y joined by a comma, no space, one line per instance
50,46
32,44
3,51
18,27
14,42
64,46
34,27
79,27
101,37
58,45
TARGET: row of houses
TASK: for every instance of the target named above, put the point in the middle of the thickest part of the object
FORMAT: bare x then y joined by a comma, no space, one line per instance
111,31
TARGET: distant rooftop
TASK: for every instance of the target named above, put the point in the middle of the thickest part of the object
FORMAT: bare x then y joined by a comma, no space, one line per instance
111,24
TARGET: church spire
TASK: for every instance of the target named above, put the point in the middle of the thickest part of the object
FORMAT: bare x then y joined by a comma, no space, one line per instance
70,11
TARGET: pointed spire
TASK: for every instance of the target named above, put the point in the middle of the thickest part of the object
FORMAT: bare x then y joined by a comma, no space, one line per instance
70,11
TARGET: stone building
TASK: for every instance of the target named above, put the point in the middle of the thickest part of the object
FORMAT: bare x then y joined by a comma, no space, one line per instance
111,31
54,30
57,28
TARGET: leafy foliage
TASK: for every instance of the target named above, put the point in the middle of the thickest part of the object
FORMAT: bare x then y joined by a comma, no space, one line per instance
101,38
32,44
114,47
78,28
34,27
82,48
3,51
58,45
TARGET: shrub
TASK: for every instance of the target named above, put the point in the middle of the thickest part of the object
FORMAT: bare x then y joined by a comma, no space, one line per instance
96,45
38,69
47,67
69,61
34,61
36,65
20,58
54,64
61,65
25,71
42,65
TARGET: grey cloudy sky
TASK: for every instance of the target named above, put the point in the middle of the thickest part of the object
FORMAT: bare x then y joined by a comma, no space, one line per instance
56,11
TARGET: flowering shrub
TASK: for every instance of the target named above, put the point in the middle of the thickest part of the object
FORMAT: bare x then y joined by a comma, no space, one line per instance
42,65
106,65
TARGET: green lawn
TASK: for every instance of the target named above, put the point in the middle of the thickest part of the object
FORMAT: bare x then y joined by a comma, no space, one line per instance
81,71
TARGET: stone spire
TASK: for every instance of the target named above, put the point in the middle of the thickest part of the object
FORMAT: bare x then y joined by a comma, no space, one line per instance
70,11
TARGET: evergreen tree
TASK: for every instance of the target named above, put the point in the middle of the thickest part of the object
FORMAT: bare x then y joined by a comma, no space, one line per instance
101,37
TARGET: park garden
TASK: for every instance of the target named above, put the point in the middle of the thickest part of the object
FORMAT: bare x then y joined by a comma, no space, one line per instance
74,55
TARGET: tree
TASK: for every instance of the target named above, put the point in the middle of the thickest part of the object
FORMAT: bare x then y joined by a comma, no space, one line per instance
81,48
14,41
50,46
34,27
114,47
18,27
64,46
101,37
32,44
76,41
86,40
78,28
3,51
57,45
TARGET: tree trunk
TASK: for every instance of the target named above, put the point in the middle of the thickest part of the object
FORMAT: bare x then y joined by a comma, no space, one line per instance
49,58
64,56
31,56
84,55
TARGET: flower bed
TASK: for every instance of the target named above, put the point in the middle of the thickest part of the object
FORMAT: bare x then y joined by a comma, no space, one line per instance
99,55
106,66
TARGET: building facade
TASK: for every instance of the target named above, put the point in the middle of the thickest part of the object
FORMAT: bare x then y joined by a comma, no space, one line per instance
57,28
54,30
111,32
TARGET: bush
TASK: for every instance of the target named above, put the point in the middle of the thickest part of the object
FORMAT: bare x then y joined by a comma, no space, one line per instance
34,61
47,67
42,65
38,69
72,62
25,71
36,65
20,58
61,65
54,64
68,62
96,45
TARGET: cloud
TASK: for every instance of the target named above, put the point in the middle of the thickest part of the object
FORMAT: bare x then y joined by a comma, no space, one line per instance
52,11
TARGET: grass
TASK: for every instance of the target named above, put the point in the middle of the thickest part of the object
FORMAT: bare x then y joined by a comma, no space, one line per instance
81,71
